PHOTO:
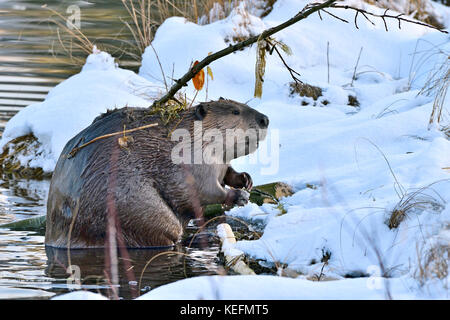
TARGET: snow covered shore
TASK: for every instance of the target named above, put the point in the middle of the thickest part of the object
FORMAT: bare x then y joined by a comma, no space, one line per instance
267,288
73,104
351,167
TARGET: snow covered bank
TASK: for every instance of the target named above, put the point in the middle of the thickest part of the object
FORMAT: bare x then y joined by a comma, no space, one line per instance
18,293
428,11
80,295
351,167
73,104
333,153
271,287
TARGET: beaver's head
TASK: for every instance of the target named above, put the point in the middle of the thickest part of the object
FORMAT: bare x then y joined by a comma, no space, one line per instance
241,127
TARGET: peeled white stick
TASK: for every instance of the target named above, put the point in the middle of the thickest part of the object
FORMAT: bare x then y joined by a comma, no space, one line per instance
234,258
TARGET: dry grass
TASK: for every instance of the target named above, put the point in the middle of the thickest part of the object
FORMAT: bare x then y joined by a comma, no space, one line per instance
437,85
305,90
77,39
421,11
142,25
144,17
446,131
172,108
17,149
418,9
433,262
415,201
208,11
441,86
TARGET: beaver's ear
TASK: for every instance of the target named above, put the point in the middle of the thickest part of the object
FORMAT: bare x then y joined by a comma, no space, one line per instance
200,112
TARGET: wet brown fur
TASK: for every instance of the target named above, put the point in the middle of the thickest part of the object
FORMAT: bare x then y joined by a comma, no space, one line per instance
153,197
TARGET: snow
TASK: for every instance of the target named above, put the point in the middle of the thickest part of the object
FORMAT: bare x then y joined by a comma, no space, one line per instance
80,295
19,293
270,287
337,149
74,103
350,166
254,212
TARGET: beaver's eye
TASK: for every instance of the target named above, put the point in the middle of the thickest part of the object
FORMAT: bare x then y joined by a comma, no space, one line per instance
236,112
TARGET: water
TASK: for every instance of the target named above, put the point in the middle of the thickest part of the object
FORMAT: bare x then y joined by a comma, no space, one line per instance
30,270
32,61
32,58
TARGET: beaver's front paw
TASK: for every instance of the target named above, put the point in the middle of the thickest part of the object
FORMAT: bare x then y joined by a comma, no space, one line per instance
238,180
237,197
242,197
247,181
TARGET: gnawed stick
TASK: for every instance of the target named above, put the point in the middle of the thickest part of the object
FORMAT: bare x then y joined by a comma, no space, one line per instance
234,258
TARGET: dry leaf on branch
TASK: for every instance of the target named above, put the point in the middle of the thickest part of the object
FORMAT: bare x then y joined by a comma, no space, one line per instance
199,78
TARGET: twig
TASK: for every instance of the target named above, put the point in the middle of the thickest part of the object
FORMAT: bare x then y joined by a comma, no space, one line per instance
111,257
328,61
356,67
383,16
291,71
160,67
356,17
76,149
335,16
319,277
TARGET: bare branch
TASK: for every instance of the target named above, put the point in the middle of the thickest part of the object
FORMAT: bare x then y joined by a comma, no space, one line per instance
291,71
367,18
335,16
385,16
303,14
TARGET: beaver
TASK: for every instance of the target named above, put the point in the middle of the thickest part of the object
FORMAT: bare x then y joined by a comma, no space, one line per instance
138,183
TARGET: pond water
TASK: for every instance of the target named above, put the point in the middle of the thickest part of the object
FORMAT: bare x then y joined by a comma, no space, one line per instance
36,53
30,270
32,60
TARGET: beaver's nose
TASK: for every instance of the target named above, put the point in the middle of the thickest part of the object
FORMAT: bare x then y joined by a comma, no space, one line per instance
263,121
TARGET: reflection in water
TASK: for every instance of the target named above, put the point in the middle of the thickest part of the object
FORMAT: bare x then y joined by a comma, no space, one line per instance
22,255
36,53
32,59
21,198
22,264
156,266
30,270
